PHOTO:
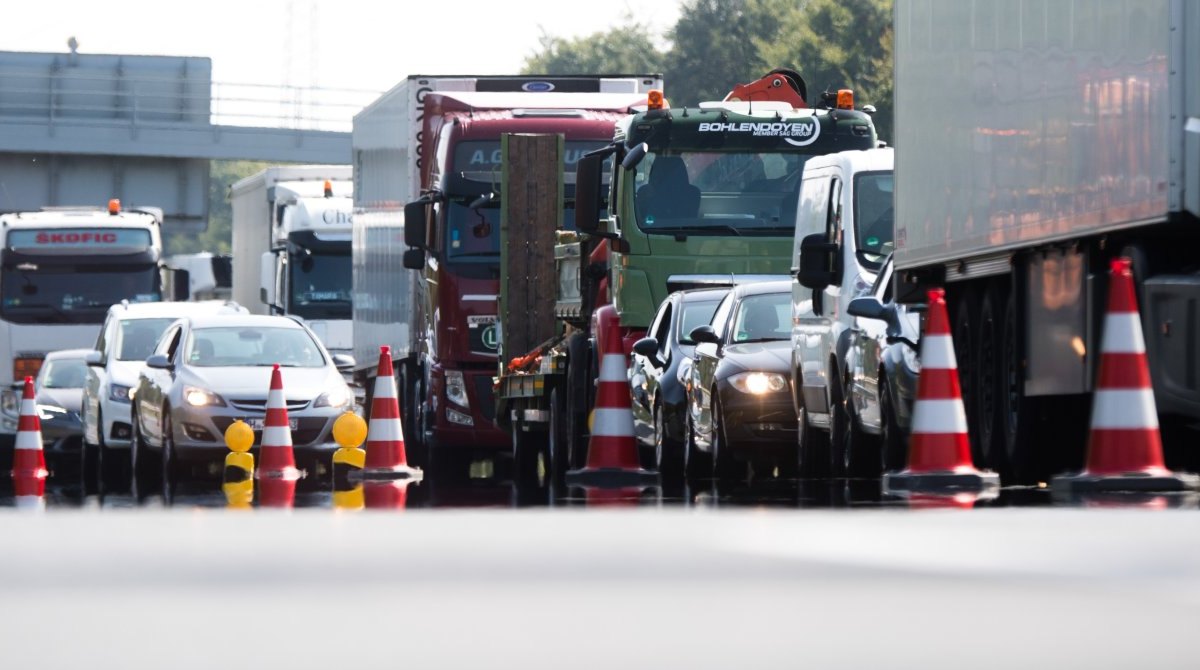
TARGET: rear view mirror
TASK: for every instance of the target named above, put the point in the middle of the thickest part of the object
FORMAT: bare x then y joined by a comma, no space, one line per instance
635,156
414,259
818,262
868,307
92,359
343,362
648,347
704,334
416,216
159,362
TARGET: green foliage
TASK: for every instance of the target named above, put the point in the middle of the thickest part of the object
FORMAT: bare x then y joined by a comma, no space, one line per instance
218,237
626,49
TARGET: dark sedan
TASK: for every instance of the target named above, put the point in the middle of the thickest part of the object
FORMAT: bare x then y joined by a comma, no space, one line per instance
658,375
59,396
740,404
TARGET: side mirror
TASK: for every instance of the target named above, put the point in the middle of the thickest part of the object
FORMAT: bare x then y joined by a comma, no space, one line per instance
266,279
704,334
414,259
589,184
483,200
818,262
868,307
416,216
343,362
92,359
160,362
648,347
635,156
180,281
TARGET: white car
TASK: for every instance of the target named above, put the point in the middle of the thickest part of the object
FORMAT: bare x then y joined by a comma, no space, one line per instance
127,338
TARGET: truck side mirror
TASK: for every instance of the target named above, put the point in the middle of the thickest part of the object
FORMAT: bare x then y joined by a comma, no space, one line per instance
589,184
266,279
414,259
704,334
416,216
635,156
180,281
818,262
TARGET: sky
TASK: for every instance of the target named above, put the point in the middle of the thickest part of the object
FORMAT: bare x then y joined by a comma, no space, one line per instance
347,44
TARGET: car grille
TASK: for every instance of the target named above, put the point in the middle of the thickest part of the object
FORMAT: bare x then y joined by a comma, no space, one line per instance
308,429
260,405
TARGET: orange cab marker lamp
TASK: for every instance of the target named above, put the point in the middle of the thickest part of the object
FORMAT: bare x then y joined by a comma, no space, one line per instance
845,99
655,100
114,206
328,189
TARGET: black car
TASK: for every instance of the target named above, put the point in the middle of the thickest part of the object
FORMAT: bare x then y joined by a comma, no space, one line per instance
740,402
658,376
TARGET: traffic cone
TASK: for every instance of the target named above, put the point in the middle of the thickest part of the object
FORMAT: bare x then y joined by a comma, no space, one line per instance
277,492
391,495
385,434
1124,446
29,461
612,459
278,461
939,451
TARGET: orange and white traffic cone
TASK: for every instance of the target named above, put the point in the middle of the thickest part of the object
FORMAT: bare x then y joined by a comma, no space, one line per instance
277,492
386,495
612,459
29,460
1124,446
939,451
386,458
277,460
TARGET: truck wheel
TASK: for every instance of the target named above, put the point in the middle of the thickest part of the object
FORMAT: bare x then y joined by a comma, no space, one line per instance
987,449
812,449
556,447
1022,462
965,310
576,409
524,455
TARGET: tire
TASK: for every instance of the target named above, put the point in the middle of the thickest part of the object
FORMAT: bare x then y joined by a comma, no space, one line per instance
1023,462
668,454
697,464
556,438
966,325
860,449
812,448
577,401
839,427
987,447
169,460
725,466
89,459
141,470
524,457
893,445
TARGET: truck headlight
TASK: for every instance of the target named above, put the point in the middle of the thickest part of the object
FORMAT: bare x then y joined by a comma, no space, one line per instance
456,389
759,383
198,397
119,393
336,398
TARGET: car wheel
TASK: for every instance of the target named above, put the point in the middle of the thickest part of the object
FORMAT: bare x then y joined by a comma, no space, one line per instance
861,451
839,427
697,464
169,465
668,455
725,466
894,449
140,469
812,452
89,459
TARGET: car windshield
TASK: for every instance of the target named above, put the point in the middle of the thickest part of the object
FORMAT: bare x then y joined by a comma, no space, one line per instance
136,338
694,314
63,373
714,193
251,347
873,217
763,317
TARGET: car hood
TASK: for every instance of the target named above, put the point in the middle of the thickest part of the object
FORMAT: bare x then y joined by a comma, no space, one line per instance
70,399
124,373
773,356
242,382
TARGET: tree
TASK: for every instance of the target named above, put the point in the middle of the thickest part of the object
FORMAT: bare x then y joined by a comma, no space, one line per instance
218,236
626,49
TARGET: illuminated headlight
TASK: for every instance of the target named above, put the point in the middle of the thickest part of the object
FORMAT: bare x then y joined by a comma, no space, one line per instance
198,397
9,403
48,412
459,418
456,389
119,393
911,360
758,383
336,398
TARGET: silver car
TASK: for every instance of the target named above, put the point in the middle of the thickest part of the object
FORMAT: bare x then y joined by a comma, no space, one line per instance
208,371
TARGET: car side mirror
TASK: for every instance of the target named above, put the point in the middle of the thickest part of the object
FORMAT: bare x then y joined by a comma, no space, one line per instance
414,259
343,362
92,359
868,307
704,334
818,262
160,362
648,347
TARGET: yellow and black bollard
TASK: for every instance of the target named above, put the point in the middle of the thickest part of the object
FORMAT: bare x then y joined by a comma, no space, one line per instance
238,479
349,431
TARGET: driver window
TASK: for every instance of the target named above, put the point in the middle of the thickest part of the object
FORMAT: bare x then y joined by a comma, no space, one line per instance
721,316
662,333
170,342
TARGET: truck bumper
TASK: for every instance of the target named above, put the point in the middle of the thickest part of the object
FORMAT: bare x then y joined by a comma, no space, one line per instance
467,427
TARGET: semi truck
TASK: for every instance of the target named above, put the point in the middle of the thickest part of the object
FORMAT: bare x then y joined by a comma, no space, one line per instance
679,198
426,241
1072,138
200,276
291,247
60,271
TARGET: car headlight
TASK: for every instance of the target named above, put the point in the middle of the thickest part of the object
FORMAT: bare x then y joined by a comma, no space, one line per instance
198,397
336,398
9,402
758,383
48,412
911,359
456,389
119,393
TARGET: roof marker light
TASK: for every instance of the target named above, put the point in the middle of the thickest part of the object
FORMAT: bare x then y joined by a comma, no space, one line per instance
845,99
328,189
655,100
114,206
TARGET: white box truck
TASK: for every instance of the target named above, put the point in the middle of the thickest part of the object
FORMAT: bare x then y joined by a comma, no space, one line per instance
1035,142
291,247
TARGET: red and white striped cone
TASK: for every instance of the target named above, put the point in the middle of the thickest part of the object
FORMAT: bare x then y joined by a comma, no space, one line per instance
277,460
29,492
612,459
29,460
939,451
277,492
386,458
1124,446
386,495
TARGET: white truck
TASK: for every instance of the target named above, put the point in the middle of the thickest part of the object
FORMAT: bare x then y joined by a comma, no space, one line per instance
200,276
291,247
1070,135
60,271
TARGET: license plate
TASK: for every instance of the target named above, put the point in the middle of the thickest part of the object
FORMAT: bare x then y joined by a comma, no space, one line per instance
257,424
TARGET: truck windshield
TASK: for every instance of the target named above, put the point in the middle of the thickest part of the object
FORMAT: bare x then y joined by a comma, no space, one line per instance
718,193
320,284
873,217
68,293
472,234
